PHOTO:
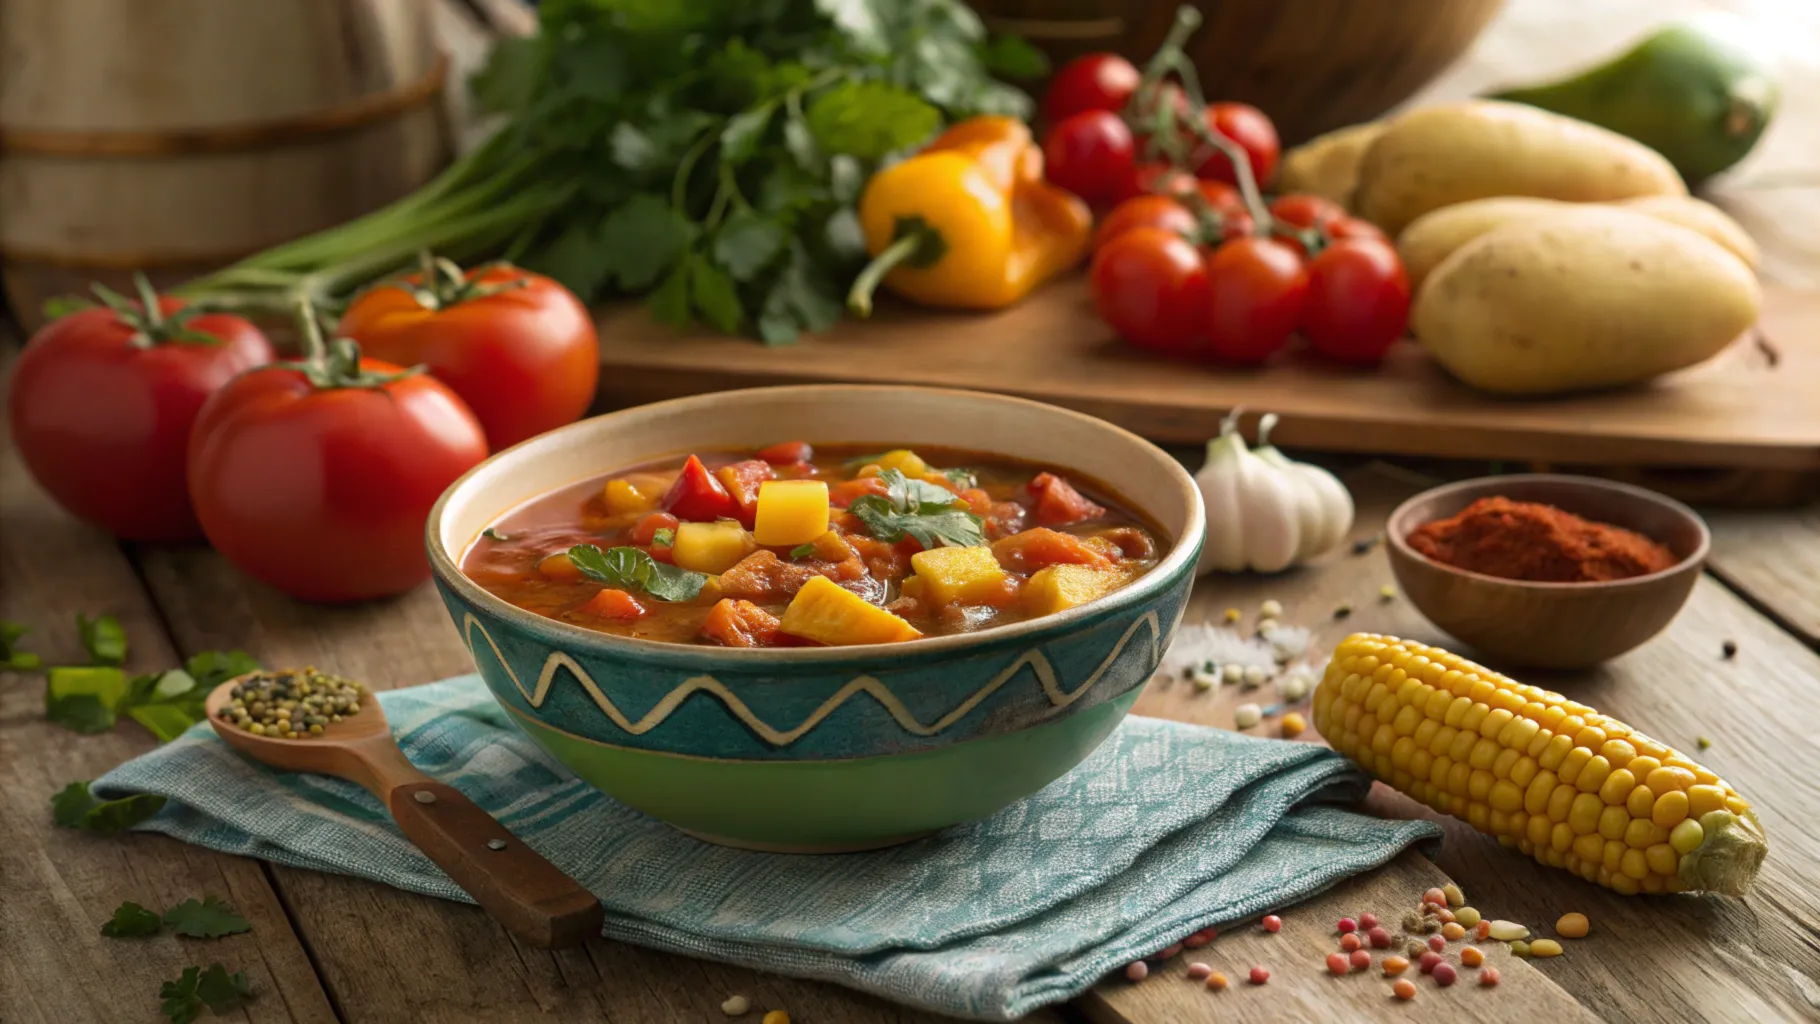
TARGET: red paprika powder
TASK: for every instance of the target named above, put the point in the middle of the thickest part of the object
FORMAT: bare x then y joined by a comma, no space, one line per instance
1522,540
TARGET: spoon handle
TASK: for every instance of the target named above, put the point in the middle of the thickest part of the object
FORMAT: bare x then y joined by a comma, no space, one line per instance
524,892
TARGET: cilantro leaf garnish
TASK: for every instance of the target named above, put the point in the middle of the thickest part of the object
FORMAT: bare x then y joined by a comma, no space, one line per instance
103,639
802,551
208,918
215,988
75,807
915,508
632,567
130,921
963,478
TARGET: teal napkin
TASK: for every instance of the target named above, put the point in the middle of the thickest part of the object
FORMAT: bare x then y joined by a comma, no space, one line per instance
1166,829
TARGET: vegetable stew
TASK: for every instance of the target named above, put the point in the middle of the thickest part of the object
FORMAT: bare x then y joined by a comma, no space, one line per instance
793,546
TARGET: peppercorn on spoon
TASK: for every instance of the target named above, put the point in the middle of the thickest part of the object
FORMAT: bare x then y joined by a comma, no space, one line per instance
527,894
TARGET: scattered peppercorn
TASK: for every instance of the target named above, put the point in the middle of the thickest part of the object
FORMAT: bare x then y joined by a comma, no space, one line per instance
1364,544
1729,649
1342,610
291,704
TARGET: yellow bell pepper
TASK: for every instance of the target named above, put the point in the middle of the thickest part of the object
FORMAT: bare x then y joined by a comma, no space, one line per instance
969,222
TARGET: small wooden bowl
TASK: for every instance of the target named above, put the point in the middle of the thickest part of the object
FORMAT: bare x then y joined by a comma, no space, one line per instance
1551,625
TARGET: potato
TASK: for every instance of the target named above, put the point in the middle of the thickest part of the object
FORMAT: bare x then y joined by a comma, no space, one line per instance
1328,165
1703,217
1601,298
1448,154
1434,236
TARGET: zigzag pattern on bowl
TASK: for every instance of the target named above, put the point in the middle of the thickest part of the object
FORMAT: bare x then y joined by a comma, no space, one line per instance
1032,659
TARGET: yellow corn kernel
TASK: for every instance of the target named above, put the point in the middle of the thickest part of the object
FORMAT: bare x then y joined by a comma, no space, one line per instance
623,497
1059,587
1549,776
790,512
826,613
958,575
711,547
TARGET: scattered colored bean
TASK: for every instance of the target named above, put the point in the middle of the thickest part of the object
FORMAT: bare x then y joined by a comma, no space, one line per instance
1435,896
1368,921
1361,960
1444,974
1199,939
1404,989
1232,675
1455,898
1387,592
1342,610
1702,742
1204,680
1443,915
1294,686
1482,931
1729,649
1437,943
1253,677
1452,931
776,1017
1270,609
1351,941
1217,981
1519,949
1259,975
736,1006
1294,725
1472,956
1508,931
1273,923
1137,970
1380,938
1233,615
1170,950
1338,964
1247,715
1395,964
1488,977
1199,971
1427,964
1468,917
1573,926
1347,924
1545,947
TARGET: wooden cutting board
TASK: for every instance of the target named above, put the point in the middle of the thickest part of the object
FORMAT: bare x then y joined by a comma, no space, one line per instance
1753,406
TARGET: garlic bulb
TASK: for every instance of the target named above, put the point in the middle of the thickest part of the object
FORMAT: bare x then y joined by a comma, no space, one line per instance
1265,511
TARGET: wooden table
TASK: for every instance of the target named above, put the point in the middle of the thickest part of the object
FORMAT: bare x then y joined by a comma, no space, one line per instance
326,948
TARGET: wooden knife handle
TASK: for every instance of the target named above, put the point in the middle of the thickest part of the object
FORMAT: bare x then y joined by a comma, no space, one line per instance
524,892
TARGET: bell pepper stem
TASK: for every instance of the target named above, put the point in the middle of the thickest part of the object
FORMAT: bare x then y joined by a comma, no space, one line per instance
908,246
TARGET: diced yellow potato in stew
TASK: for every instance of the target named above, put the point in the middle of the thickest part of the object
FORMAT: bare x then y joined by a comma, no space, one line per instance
1060,587
791,512
903,460
711,547
826,613
958,575
622,496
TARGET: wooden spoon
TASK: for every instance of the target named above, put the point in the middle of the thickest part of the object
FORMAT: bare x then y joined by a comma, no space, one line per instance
527,894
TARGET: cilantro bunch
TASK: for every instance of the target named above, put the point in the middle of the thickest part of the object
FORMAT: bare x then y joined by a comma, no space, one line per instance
703,153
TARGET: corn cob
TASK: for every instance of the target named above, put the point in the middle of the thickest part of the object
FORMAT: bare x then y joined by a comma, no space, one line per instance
1549,776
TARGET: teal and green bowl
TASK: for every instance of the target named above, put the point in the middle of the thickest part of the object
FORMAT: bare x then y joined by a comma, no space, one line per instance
823,749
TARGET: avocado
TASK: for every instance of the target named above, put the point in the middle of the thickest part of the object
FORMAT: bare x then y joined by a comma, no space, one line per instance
1695,91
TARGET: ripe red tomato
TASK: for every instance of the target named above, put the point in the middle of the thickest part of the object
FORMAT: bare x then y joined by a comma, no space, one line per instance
102,401
1152,179
1306,211
1150,286
321,490
1090,154
524,357
1096,81
1146,211
1358,300
1353,227
1247,126
1256,289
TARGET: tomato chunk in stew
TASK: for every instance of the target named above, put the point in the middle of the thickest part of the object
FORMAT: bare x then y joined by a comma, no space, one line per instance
799,545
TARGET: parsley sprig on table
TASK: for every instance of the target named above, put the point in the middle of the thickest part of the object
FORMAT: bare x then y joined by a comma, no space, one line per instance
184,998
916,508
704,153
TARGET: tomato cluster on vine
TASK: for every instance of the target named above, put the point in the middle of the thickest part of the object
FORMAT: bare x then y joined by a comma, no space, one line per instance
1188,260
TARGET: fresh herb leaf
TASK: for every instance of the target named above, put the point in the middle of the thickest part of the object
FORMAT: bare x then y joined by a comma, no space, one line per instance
81,713
670,302
103,639
492,534
633,567
916,508
1013,57
739,140
506,82
75,807
802,551
870,120
663,537
130,921
84,698
631,148
212,668
208,918
222,991
642,239
747,243
963,478
714,295
11,657
859,20
181,1003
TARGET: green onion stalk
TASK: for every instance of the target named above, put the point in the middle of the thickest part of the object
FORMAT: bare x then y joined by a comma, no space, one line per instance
486,203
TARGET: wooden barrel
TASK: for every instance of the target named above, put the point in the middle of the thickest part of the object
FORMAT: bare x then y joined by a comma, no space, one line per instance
178,135
1312,65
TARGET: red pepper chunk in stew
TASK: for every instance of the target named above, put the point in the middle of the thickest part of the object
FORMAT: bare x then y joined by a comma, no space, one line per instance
893,546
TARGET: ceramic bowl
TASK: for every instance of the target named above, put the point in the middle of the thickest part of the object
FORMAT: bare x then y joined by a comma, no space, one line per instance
823,749
1551,625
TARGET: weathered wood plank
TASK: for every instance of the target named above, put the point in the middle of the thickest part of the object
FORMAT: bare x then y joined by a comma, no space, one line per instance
58,886
1753,959
388,955
1774,561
